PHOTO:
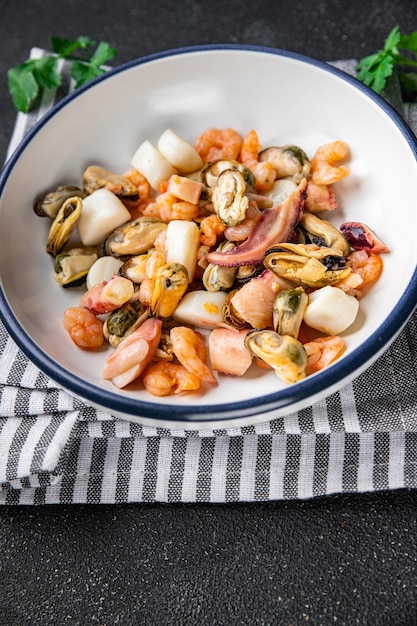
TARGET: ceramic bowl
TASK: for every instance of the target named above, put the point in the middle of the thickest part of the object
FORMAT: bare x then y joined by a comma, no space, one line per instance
287,98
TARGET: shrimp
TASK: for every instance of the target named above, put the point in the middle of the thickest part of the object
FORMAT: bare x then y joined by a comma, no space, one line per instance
320,198
136,207
83,327
366,269
322,351
133,354
263,171
160,379
160,242
191,352
217,143
323,169
167,207
211,226
241,231
143,186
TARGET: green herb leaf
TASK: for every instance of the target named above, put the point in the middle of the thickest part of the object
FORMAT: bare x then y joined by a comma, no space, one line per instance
65,47
46,73
23,86
26,80
84,72
400,51
103,53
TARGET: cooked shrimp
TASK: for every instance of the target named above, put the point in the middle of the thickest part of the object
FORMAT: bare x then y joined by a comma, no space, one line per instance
367,264
160,379
323,351
241,231
143,186
323,168
190,350
136,207
250,147
167,207
133,354
366,269
217,143
263,171
83,327
320,198
211,226
160,242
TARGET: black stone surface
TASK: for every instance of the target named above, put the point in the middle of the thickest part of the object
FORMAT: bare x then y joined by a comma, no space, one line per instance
348,559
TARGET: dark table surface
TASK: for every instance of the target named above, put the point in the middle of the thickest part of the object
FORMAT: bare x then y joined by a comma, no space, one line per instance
347,559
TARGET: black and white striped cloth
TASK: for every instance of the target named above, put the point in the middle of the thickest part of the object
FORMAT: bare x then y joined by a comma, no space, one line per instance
55,449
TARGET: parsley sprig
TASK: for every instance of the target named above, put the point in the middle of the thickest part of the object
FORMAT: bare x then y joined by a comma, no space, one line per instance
26,80
399,52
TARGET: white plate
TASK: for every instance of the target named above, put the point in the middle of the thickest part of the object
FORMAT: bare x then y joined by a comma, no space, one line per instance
286,98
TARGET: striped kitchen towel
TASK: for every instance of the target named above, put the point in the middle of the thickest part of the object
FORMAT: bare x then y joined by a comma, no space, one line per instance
56,449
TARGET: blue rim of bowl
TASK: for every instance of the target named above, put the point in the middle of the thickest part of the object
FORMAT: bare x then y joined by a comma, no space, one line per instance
332,378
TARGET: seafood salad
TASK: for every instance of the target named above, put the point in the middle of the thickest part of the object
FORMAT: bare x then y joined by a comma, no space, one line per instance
206,259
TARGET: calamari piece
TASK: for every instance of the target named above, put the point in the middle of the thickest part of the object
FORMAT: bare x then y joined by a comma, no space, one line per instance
228,353
361,237
284,354
108,295
276,225
252,304
133,354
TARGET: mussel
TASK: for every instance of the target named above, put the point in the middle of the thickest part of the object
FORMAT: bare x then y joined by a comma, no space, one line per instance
171,283
229,200
288,311
134,237
320,232
218,277
285,354
231,316
96,177
211,172
135,267
123,321
307,265
71,266
49,205
288,161
165,350
63,225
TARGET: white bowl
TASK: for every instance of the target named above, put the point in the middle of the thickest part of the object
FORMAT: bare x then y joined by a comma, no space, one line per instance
287,98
